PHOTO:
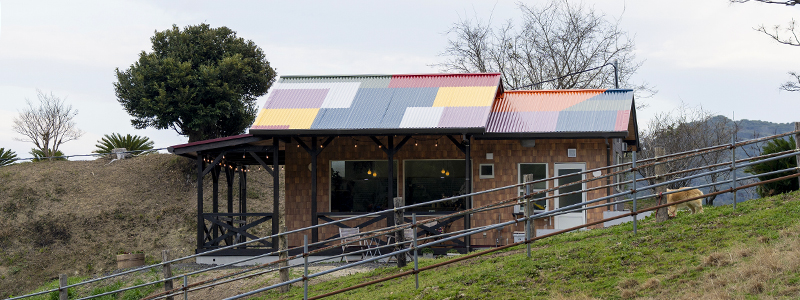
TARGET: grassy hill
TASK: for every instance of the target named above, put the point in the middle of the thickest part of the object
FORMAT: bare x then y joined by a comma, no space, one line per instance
749,253
88,211
74,217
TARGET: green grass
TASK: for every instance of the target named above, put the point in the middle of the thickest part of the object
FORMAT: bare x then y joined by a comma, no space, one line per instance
682,257
752,252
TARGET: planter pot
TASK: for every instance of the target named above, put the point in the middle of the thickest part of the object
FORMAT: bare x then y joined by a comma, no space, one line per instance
427,255
453,254
125,261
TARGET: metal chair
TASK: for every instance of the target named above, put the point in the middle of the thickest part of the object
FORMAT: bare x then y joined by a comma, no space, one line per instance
351,239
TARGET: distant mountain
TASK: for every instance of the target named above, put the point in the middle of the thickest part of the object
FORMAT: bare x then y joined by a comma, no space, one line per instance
748,129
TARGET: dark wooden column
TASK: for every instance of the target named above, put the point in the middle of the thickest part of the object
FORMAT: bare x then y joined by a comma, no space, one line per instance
390,149
242,199
200,221
314,152
467,153
215,199
276,191
229,184
465,147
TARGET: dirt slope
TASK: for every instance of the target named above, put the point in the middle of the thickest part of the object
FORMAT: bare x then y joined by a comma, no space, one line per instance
73,217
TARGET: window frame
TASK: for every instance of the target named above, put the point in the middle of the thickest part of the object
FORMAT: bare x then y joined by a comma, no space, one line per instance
521,190
405,166
330,182
480,171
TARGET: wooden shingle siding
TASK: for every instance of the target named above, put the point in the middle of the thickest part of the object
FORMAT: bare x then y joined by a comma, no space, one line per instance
507,154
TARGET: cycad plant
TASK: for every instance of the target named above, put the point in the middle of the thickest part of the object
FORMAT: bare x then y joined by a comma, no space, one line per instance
142,144
7,157
39,155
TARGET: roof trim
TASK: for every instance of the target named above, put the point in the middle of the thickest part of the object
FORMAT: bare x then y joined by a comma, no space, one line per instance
386,75
214,143
551,135
367,131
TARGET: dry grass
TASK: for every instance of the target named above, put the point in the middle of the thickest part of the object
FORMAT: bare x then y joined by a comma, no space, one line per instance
73,217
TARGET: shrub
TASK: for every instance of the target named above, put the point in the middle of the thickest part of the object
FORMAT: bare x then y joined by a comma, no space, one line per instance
7,157
142,144
780,187
39,155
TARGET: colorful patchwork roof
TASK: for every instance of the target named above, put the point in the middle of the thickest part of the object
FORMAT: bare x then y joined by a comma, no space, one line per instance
563,111
378,103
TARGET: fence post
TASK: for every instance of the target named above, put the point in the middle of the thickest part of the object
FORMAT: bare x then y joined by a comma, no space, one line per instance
185,288
62,282
660,170
414,234
633,172
167,268
305,267
797,144
399,237
283,246
733,165
528,212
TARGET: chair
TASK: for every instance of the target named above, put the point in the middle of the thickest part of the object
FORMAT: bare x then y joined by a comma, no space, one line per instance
408,236
351,238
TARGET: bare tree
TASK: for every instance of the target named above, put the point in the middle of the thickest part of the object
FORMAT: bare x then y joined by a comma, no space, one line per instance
786,36
545,49
49,125
688,128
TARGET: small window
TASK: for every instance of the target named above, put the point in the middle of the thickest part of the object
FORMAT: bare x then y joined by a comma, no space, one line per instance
487,171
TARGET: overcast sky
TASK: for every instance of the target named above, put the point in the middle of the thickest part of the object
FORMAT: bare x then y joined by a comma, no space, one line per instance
699,52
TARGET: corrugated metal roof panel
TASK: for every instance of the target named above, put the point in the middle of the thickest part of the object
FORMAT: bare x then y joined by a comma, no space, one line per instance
445,80
561,111
421,117
378,101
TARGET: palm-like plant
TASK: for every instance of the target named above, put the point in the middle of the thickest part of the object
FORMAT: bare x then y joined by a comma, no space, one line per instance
142,144
7,157
39,155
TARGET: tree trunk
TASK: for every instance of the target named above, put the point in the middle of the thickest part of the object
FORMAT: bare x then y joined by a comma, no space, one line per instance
660,169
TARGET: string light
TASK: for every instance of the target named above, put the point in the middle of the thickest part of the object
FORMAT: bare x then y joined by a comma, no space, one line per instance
374,174
369,172
447,174
355,146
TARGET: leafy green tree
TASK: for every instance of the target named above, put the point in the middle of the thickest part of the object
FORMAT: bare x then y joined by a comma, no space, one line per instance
129,142
39,155
200,81
7,157
779,187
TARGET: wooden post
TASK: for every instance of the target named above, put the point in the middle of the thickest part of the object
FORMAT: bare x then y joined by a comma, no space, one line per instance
62,282
283,246
660,169
530,230
276,191
200,221
399,236
796,144
167,272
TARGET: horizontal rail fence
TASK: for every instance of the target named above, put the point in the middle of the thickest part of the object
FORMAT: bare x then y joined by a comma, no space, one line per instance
427,237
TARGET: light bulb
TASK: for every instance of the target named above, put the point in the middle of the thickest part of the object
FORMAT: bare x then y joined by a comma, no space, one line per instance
369,172
447,174
415,144
443,171
356,145
374,174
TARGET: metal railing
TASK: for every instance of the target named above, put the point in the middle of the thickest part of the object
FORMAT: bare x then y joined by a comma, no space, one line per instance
401,248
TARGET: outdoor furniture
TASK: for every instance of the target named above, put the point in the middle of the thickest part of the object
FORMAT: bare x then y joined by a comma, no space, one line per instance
351,237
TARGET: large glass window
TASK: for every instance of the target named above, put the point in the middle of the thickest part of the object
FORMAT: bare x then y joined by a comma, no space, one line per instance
360,186
427,180
539,171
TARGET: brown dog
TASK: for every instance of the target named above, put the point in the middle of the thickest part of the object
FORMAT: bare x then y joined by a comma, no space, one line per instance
695,205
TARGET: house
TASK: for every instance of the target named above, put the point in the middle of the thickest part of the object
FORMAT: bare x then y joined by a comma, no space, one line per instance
444,134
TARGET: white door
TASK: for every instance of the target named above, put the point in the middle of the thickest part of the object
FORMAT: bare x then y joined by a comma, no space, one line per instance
575,218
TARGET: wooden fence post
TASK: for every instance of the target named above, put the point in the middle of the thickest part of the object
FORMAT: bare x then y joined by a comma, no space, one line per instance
530,229
398,235
660,170
62,282
283,245
167,268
